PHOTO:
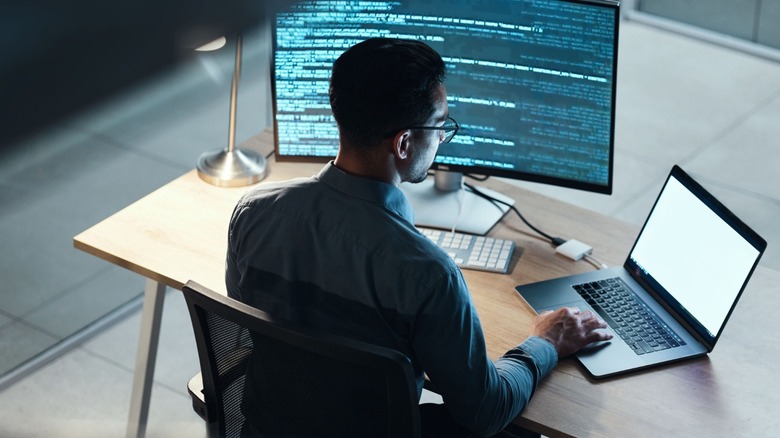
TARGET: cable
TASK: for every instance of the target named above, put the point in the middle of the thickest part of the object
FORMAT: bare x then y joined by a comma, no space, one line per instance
270,154
554,240
477,178
595,262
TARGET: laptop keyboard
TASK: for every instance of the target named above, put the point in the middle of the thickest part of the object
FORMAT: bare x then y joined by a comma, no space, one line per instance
628,317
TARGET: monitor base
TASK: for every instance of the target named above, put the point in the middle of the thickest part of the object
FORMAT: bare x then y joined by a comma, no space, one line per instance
435,208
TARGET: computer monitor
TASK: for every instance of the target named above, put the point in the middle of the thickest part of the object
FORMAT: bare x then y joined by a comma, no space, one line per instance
531,83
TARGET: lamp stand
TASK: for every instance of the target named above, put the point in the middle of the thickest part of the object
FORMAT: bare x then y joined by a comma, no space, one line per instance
232,167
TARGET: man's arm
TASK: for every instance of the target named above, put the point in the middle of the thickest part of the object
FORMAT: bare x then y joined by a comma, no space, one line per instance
482,395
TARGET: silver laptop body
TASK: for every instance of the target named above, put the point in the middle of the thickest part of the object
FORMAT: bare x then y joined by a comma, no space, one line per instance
687,269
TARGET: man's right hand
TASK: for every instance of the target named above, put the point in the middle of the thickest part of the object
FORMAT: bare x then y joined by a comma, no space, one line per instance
568,329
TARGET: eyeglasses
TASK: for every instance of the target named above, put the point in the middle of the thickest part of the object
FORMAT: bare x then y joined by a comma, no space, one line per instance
448,129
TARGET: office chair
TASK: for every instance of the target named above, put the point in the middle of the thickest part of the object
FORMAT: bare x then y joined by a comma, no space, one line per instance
301,383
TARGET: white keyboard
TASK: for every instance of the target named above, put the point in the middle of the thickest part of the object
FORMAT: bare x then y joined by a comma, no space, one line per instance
473,252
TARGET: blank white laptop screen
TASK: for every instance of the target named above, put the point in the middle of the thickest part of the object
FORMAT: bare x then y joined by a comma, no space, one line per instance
696,256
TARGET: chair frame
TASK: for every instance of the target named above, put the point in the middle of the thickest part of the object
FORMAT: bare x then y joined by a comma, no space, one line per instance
403,411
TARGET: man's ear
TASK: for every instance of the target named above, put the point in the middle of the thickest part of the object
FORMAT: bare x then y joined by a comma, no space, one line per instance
401,144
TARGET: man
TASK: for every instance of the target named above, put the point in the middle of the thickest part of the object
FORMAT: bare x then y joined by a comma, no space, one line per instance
339,251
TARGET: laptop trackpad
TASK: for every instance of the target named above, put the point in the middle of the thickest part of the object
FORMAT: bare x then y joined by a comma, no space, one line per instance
582,305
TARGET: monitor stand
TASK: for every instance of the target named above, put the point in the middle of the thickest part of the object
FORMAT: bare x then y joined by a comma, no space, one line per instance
437,204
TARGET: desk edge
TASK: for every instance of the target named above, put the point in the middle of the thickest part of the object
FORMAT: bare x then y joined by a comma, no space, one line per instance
87,248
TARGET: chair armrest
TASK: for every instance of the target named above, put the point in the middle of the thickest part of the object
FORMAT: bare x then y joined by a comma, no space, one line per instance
195,389
238,361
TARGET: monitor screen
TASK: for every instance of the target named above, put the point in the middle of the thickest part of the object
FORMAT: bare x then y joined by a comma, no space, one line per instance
531,82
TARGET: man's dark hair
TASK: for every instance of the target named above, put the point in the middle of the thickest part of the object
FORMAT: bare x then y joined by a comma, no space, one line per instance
382,85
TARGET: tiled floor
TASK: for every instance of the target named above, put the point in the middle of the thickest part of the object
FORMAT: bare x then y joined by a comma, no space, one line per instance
712,110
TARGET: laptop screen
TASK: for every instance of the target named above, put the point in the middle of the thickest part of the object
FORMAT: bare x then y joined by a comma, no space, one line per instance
696,254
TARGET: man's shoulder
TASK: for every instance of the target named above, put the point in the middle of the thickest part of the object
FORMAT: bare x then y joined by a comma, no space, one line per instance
275,190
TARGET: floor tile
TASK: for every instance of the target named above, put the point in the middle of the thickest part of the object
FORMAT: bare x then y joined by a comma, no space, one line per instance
5,319
177,357
75,309
748,157
727,17
637,207
81,395
96,406
33,156
758,213
119,343
92,181
676,94
19,342
171,415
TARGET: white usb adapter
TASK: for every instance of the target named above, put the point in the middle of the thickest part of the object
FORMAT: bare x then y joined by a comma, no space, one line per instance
574,249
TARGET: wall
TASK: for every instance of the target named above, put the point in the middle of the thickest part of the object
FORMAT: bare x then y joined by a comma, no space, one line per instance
751,20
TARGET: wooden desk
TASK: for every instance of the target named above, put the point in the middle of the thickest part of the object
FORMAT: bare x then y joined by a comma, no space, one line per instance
178,233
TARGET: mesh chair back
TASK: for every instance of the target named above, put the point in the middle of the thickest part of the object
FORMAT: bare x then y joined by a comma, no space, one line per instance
261,378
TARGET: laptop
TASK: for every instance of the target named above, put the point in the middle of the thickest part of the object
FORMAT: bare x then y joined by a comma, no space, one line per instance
676,290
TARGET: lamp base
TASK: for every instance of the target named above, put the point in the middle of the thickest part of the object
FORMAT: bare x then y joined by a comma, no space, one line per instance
239,167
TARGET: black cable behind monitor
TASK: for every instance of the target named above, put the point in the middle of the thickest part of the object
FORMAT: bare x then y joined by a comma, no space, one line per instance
555,241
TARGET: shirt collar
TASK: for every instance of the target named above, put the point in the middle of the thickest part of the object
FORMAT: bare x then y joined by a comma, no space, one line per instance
377,192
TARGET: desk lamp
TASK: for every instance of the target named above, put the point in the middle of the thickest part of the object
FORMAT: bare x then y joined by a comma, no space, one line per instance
232,167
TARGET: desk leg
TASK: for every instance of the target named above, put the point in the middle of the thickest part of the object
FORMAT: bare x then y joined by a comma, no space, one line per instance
145,358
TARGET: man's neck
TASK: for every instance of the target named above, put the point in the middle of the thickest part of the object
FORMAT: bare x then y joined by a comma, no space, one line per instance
367,165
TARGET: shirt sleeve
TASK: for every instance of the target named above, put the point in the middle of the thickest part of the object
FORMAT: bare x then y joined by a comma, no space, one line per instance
483,395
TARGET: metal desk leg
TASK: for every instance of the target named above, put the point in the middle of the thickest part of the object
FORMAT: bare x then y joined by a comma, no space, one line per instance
145,358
